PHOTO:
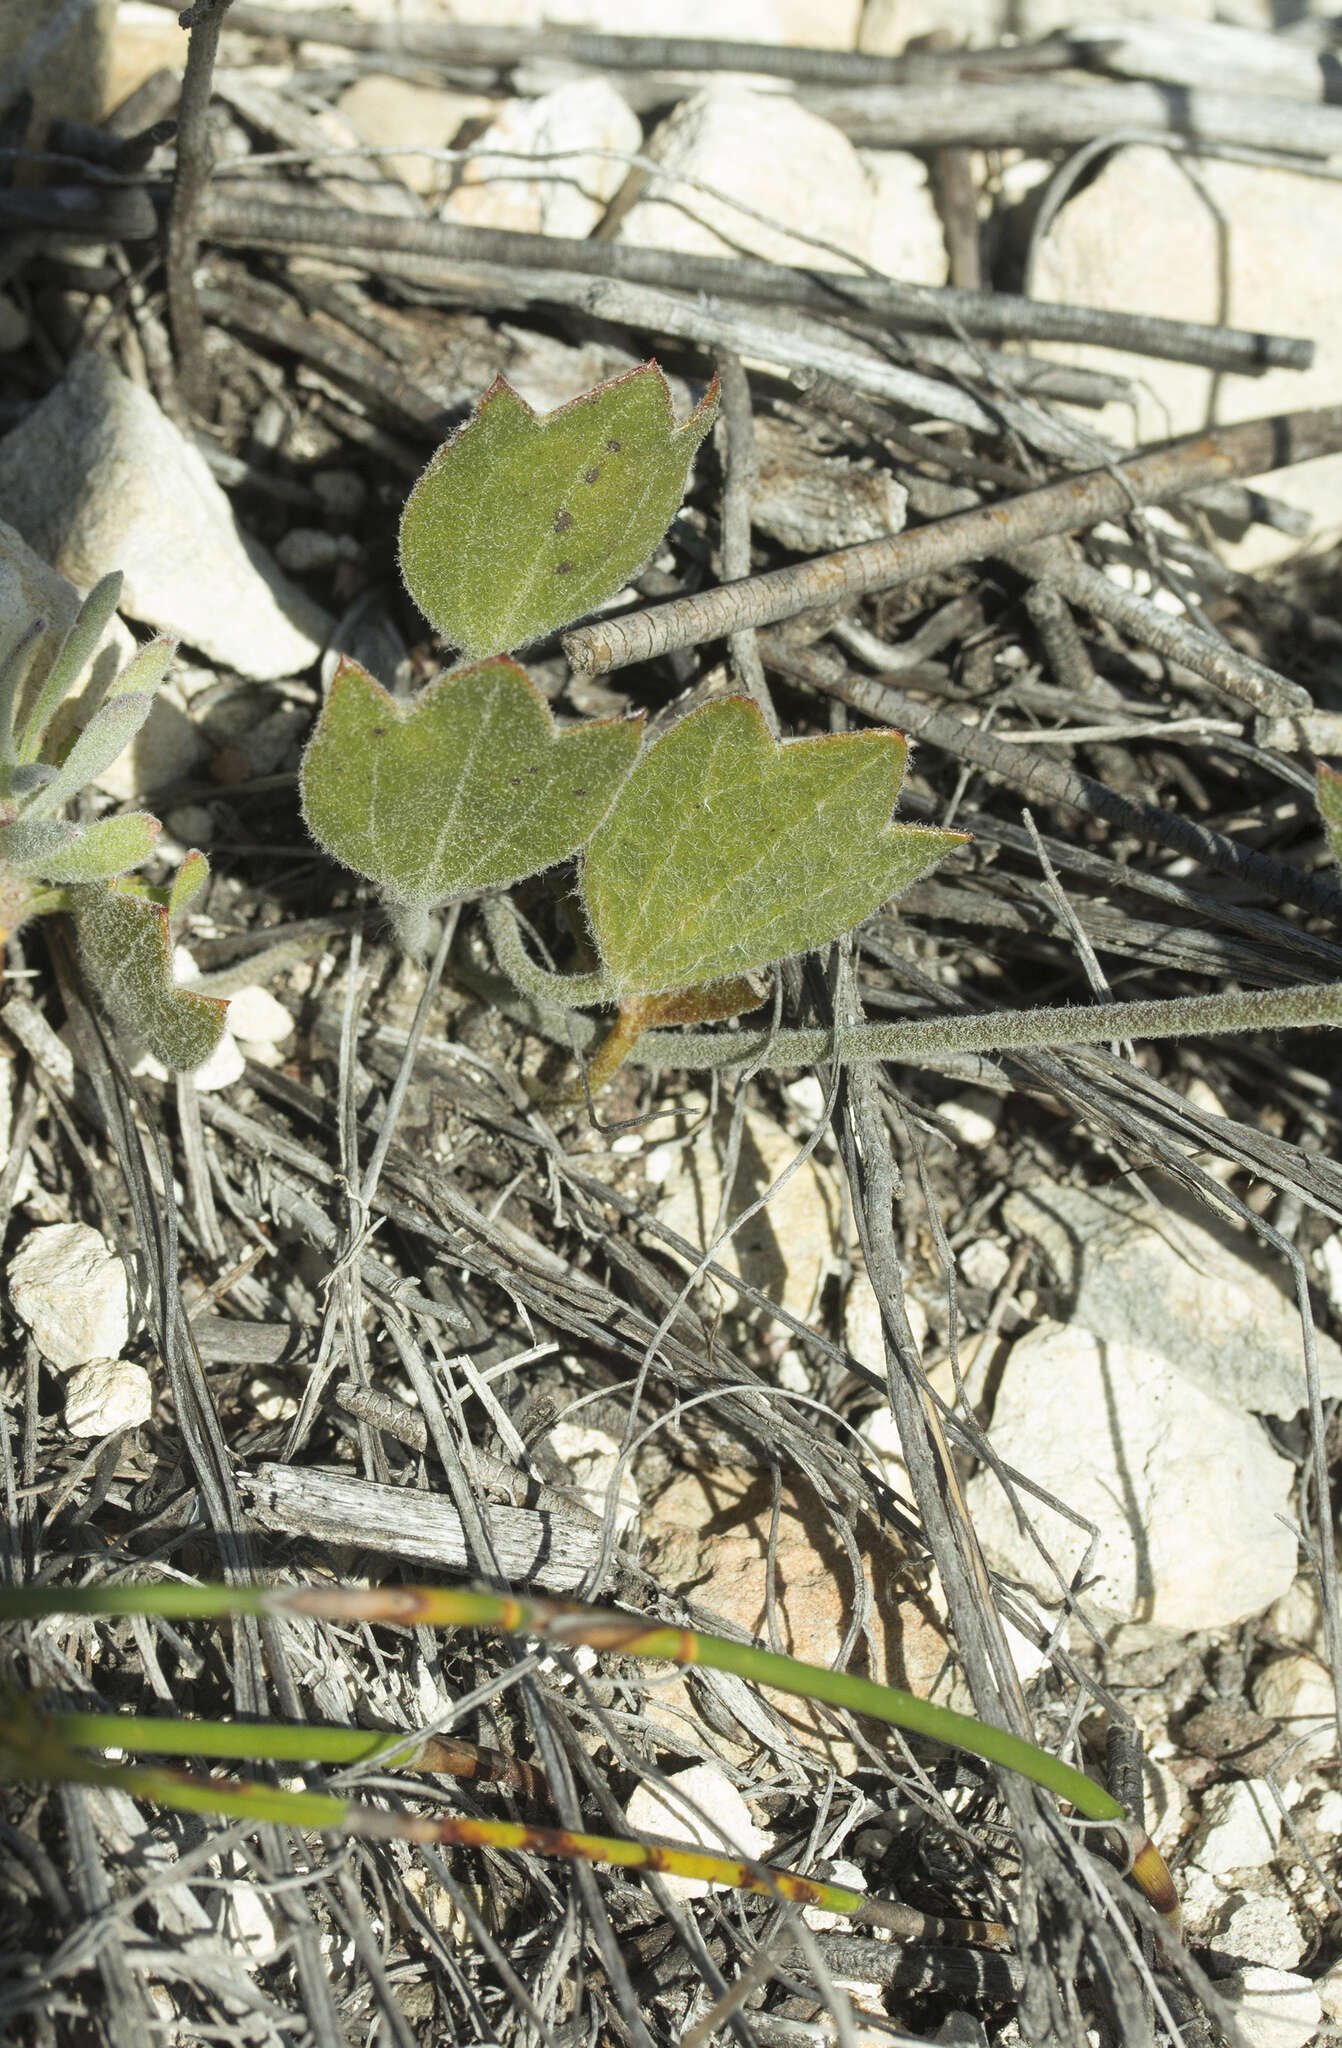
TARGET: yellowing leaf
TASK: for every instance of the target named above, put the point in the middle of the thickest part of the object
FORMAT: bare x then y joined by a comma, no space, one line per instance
522,521
468,786
726,850
127,956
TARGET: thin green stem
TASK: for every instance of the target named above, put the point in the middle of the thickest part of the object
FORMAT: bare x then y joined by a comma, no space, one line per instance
568,991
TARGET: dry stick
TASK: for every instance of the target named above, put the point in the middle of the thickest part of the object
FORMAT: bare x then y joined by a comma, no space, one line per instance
1042,779
1038,114
1249,449
195,162
234,218
736,426
1238,674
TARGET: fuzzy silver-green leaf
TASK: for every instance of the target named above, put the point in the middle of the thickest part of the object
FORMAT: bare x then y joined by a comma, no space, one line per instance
127,956
726,850
467,786
524,521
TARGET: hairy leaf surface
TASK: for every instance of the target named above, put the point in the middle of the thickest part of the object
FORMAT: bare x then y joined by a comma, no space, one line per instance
727,850
127,955
468,786
522,522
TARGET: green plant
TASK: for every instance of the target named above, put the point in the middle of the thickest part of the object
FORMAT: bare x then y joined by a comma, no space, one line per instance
708,856
51,748
35,1743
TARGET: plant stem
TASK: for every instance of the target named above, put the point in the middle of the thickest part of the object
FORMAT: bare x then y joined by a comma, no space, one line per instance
195,163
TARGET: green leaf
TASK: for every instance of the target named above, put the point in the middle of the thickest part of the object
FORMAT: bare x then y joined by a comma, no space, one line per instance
1329,798
145,670
522,522
108,734
726,851
188,882
69,663
29,843
127,956
111,847
468,786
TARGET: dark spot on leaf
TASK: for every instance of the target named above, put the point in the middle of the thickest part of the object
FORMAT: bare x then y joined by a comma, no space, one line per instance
563,520
378,731
534,769
563,568
589,476
580,792
513,781
615,446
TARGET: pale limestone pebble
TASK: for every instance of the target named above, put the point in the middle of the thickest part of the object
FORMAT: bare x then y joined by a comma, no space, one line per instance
1201,1296
974,1118
567,195
303,550
255,1016
591,1457
807,1097
1328,1264
247,1924
146,40
225,1065
106,1395
1298,1692
864,1326
1273,2008
97,478
819,1918
1298,1616
905,239
1259,1927
720,1821
1329,1989
189,825
889,26
1240,1827
69,1287
1243,243
395,113
269,1402
788,1247
984,1264
1188,1493
765,151
1319,731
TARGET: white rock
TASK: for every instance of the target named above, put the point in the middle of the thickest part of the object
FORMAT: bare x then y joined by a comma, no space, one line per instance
765,151
567,196
1218,241
864,1328
726,1826
1273,2008
819,1917
1262,1929
69,1287
254,1014
984,1264
226,1064
108,1394
247,1923
591,1456
1328,1260
96,478
304,549
1298,1692
1240,1827
906,239
889,26
831,26
974,1119
807,1097
1298,1616
1210,1305
1329,1989
395,113
1187,1492
784,1250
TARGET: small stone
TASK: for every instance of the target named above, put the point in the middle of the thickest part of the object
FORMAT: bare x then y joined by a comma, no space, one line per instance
1298,1693
1199,1296
906,239
304,549
725,1826
786,1248
106,1395
1298,1616
254,1014
394,113
864,1326
342,492
1188,1493
567,196
247,1923
1273,2008
190,824
592,1456
974,1119
767,152
1328,1257
820,1917
1240,1827
1329,1989
97,478
226,1064
984,1264
68,1285
1261,1929
807,1097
